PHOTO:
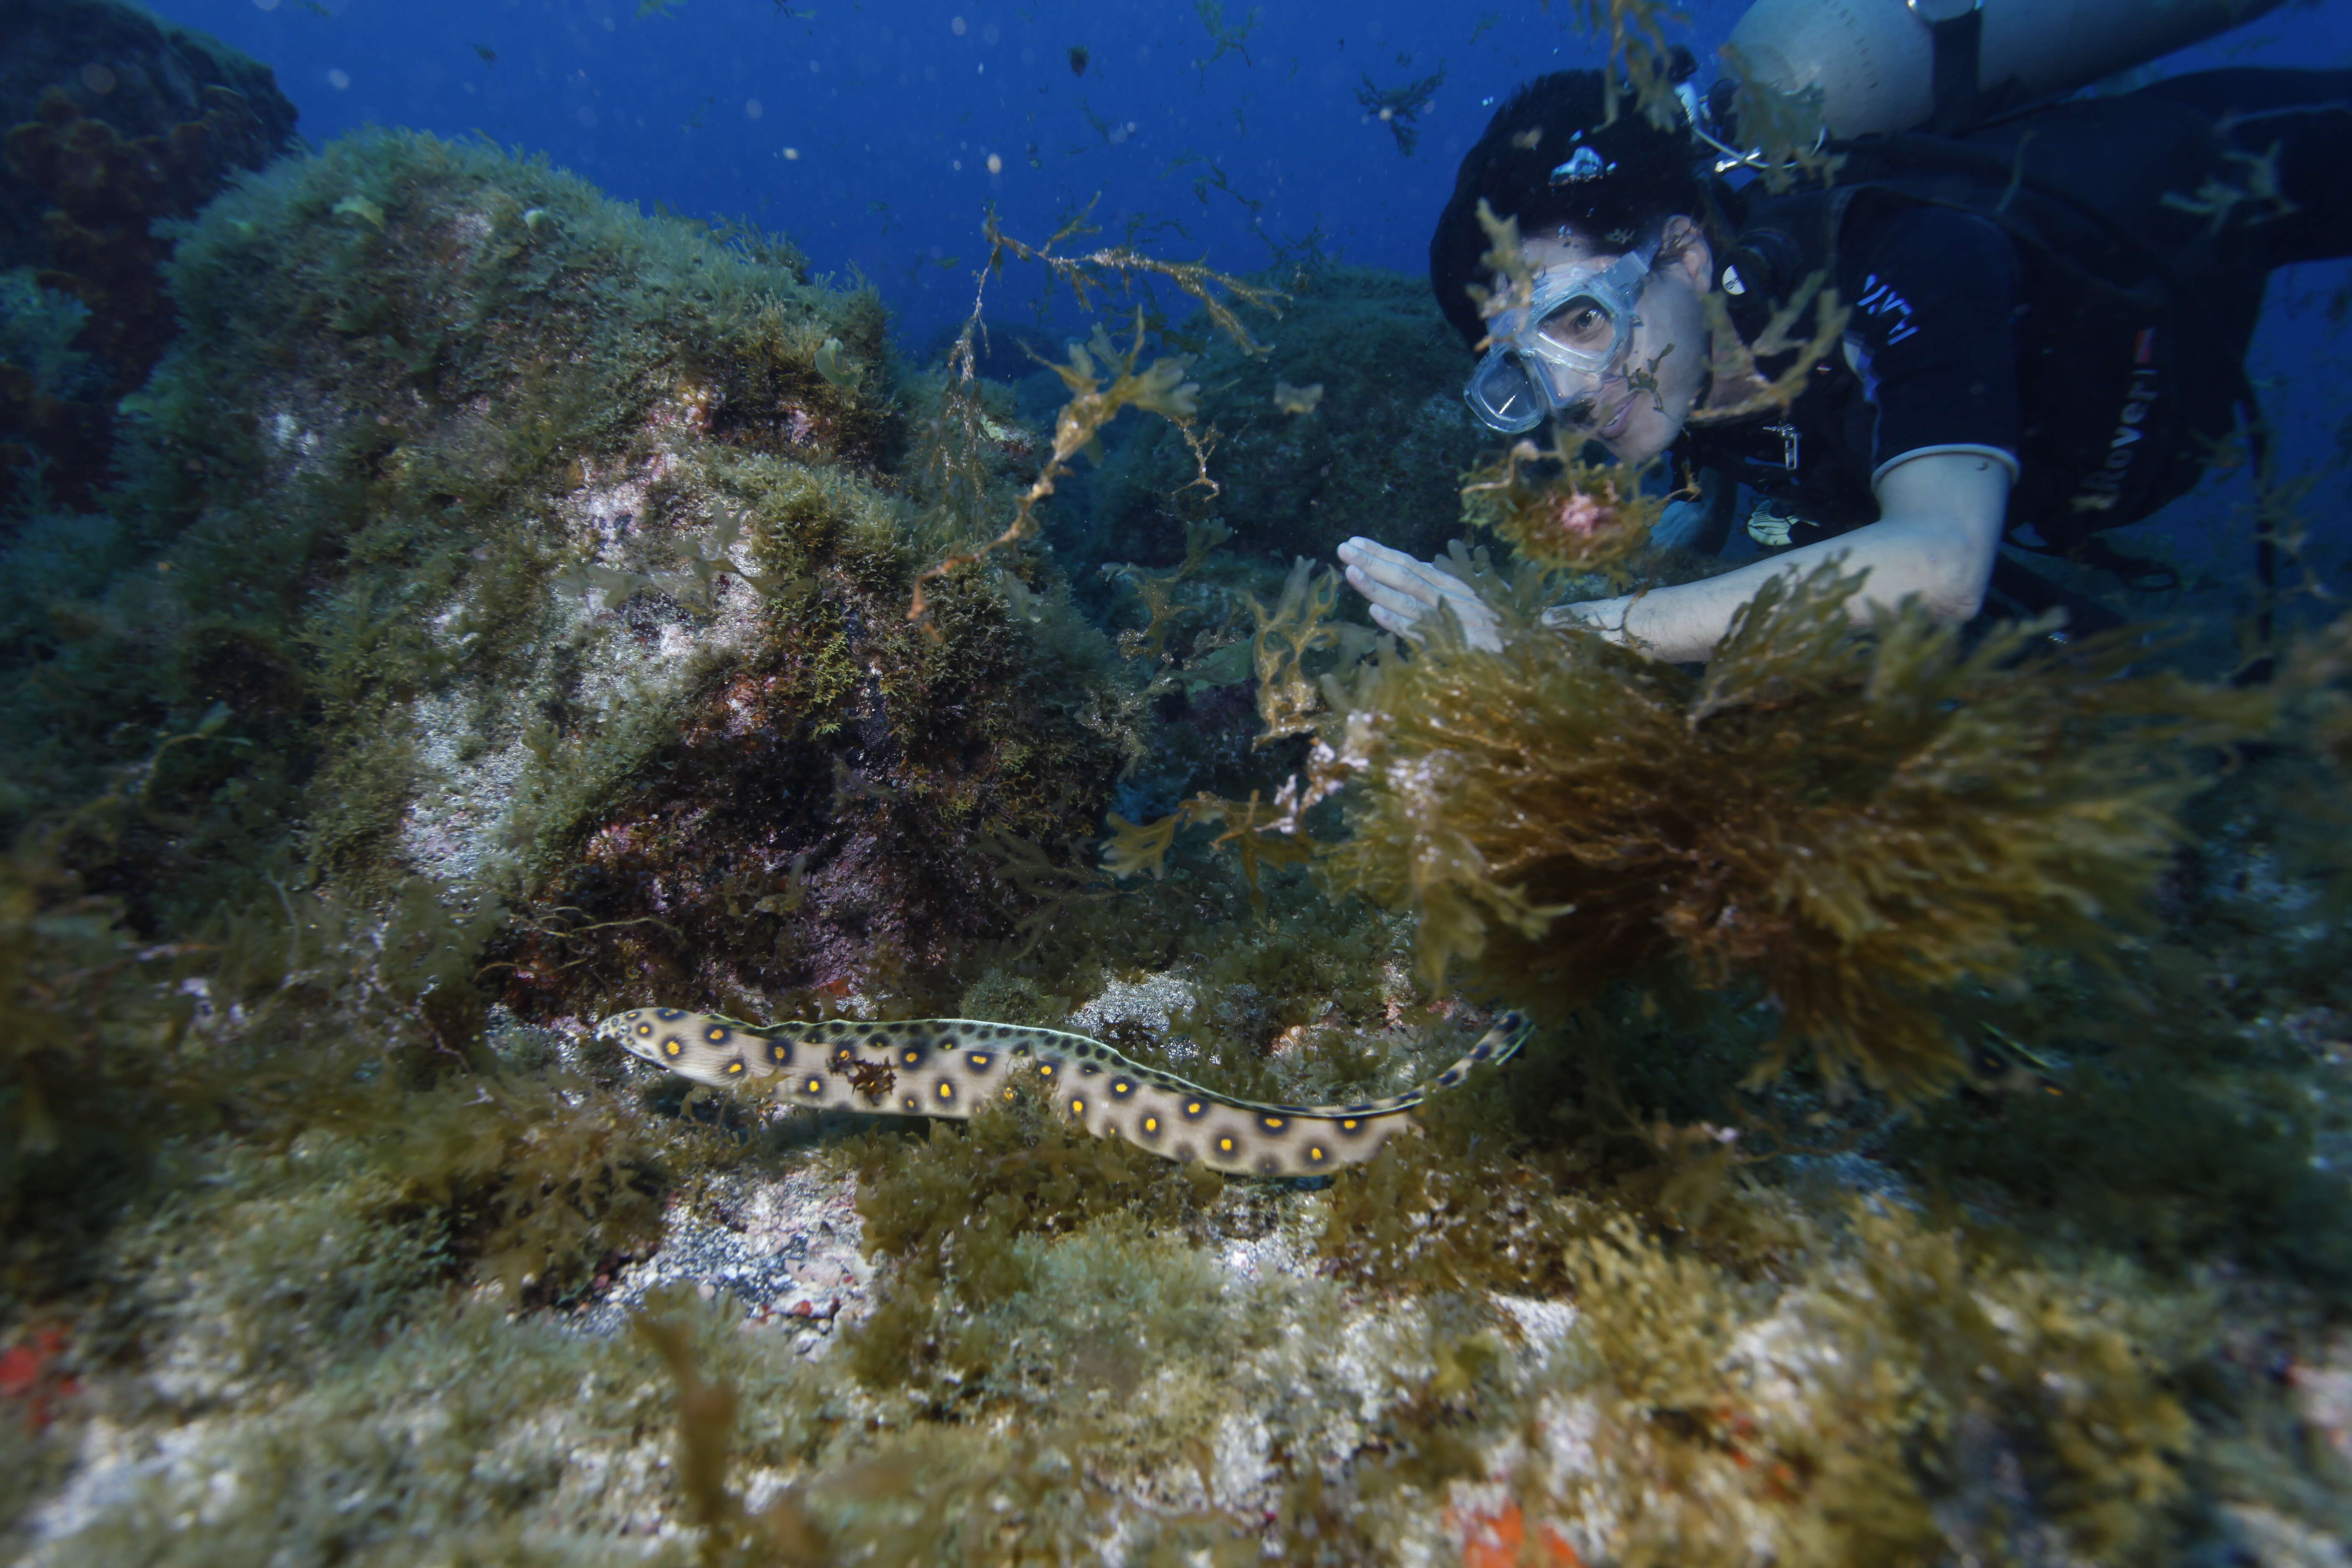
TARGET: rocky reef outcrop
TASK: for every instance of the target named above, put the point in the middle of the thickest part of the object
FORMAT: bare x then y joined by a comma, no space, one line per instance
562,558
123,124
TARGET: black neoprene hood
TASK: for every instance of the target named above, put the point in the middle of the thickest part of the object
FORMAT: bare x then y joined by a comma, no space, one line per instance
1640,177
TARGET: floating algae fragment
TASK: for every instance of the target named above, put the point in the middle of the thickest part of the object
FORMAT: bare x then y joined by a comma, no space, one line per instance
1151,641
1103,379
1735,363
1502,259
839,372
1779,123
2220,201
1158,388
1401,107
1142,847
360,207
1260,832
1292,399
1227,666
1287,700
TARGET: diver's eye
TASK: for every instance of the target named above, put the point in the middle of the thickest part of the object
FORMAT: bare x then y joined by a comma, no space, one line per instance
1579,325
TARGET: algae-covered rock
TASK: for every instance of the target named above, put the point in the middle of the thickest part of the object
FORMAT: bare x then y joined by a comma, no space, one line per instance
560,555
113,125
121,66
1378,451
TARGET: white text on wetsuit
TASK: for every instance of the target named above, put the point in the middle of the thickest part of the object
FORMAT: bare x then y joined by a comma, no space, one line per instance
1880,298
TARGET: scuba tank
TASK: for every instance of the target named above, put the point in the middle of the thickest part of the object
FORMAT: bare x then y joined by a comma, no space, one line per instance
1899,65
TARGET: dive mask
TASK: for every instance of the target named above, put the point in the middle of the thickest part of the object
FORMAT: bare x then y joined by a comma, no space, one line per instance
1555,352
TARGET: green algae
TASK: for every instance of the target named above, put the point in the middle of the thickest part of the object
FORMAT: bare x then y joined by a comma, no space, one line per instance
951,1219
1895,1358
357,527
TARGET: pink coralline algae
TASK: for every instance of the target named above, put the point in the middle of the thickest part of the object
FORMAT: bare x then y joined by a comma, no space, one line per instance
1582,515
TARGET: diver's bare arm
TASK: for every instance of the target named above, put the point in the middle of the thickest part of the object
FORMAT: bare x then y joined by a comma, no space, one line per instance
1939,529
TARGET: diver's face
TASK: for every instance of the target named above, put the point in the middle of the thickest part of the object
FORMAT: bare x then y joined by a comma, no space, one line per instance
1669,341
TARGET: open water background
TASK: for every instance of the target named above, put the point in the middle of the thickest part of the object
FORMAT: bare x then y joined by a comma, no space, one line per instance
866,132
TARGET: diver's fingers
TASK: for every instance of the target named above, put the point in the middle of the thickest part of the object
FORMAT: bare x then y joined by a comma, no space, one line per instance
1390,568
1400,597
1359,549
1479,627
1401,574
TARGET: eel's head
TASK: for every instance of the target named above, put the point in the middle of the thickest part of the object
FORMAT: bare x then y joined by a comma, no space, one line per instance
642,1031
699,1045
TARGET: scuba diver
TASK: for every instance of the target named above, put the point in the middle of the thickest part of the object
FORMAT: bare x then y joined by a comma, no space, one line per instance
2049,313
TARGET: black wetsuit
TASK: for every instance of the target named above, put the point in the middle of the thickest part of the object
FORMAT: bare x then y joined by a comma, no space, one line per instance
2080,312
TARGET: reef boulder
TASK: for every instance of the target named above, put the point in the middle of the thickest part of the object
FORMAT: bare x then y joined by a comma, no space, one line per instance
557,557
120,125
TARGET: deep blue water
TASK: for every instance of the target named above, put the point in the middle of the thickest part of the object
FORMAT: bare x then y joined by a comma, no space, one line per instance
877,134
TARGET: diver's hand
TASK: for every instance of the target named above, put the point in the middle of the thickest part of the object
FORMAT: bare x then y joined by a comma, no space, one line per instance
1402,591
1606,616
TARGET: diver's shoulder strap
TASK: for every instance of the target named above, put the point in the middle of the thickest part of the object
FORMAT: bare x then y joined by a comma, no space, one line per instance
1958,43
